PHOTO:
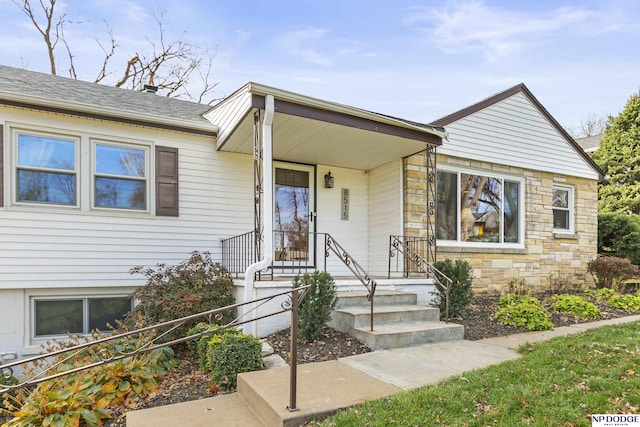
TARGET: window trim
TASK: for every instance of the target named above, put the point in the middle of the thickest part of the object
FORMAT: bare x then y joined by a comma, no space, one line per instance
146,148
71,297
571,208
521,217
77,141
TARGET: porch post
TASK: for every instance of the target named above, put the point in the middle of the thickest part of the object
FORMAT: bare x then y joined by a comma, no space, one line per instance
267,215
430,157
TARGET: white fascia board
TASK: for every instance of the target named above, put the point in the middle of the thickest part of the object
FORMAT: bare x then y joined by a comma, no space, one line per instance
284,95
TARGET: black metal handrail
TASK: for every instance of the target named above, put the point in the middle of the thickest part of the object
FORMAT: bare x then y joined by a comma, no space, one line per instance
295,296
294,258
414,262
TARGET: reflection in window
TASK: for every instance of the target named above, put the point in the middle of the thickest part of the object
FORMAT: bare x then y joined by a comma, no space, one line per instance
477,208
46,170
561,204
77,315
120,180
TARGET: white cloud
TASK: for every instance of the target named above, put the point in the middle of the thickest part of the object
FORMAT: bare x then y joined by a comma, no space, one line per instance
302,43
475,27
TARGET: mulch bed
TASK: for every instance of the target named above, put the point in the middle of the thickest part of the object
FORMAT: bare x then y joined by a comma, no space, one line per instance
187,382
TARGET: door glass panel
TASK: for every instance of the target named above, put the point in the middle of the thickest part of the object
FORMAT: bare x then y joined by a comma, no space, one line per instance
291,215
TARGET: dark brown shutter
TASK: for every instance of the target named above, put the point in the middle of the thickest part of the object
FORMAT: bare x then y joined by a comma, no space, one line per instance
166,181
1,167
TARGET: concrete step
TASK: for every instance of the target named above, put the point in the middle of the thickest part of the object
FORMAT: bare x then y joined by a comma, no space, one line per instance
351,317
381,297
322,389
228,410
396,335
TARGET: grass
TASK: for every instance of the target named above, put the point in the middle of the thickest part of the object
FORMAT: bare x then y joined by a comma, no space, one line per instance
560,382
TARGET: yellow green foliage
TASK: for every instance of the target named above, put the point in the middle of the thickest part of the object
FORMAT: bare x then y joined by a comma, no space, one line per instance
83,398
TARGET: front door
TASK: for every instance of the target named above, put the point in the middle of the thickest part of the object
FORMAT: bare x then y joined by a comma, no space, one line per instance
293,216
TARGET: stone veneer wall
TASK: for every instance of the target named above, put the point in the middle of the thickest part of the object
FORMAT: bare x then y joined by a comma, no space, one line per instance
547,258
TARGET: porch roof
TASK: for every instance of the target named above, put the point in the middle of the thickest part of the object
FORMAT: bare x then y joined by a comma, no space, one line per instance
313,131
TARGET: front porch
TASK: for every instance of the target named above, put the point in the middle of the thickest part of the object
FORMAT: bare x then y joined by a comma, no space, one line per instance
330,188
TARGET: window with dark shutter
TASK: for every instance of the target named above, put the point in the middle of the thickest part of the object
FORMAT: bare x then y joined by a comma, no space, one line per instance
166,181
1,167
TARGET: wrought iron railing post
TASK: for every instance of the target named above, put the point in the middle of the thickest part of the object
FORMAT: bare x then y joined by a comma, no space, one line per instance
293,347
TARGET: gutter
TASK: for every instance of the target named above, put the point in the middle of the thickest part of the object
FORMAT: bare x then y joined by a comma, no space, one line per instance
267,215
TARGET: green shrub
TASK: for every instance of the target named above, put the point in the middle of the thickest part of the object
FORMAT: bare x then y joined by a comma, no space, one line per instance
82,398
575,306
611,272
231,354
511,299
196,285
315,309
625,302
523,311
199,347
461,294
602,294
619,236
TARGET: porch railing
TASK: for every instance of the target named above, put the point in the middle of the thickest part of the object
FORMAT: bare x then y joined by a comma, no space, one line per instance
297,254
110,350
413,262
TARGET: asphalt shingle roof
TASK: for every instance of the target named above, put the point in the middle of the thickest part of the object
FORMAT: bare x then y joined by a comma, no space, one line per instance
47,86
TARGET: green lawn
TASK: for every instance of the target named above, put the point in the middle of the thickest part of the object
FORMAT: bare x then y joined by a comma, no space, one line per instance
556,383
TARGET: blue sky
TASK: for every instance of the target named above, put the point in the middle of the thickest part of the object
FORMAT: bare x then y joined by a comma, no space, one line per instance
418,60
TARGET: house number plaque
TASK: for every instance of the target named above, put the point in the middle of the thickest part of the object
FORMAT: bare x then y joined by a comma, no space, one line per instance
344,213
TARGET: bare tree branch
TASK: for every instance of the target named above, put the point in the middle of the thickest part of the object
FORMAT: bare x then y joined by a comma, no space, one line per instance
176,67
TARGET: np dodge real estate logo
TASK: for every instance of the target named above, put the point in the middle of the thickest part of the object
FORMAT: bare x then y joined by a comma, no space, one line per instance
611,420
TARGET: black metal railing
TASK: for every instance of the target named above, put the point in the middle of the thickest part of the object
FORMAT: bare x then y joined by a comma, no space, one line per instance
157,337
294,253
413,262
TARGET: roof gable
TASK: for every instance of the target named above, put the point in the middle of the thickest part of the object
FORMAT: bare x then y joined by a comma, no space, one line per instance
513,128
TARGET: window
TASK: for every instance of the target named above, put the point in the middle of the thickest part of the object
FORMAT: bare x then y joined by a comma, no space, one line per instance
474,208
46,169
120,177
562,205
55,169
76,315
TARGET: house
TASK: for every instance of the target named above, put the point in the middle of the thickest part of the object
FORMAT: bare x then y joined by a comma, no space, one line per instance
516,196
95,180
589,143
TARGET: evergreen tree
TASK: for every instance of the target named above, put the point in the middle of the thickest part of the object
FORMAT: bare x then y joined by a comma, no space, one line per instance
619,157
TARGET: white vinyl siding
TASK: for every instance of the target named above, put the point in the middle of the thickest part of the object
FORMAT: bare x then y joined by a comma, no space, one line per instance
351,234
56,247
385,214
513,132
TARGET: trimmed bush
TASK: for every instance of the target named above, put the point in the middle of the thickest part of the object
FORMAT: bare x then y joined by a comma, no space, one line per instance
461,294
196,285
231,354
523,311
315,309
611,272
575,305
199,347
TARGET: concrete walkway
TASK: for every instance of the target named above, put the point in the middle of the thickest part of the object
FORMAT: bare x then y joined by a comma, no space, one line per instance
326,387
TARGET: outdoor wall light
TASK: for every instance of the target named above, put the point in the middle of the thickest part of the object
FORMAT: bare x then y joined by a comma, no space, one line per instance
328,180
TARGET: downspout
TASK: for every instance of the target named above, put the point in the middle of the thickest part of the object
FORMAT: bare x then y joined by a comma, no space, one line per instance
267,214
